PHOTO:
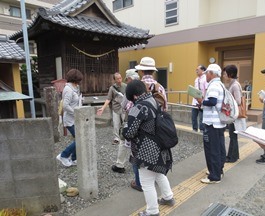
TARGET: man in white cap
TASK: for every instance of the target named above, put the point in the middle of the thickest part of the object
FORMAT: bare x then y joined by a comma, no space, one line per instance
145,69
118,167
213,134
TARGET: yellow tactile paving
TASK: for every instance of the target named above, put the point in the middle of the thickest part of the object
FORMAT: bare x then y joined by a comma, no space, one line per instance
191,186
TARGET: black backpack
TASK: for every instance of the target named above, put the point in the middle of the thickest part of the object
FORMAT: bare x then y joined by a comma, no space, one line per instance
165,132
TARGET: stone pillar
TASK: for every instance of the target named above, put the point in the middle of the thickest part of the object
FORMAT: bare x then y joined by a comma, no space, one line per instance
51,101
85,137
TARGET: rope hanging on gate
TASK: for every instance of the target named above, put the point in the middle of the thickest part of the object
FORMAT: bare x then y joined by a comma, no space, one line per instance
90,55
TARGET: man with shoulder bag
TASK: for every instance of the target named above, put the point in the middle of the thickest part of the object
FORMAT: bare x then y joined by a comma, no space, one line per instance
115,96
213,134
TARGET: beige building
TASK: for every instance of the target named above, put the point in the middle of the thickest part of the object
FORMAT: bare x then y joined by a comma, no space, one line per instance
193,32
10,16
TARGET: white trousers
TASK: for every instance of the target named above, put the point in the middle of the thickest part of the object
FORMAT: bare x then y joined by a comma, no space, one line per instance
148,179
117,122
122,155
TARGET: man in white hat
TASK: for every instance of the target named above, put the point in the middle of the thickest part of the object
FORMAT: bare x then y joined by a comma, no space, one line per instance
213,134
145,69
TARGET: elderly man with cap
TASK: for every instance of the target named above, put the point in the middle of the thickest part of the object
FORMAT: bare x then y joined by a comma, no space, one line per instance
262,100
213,134
118,167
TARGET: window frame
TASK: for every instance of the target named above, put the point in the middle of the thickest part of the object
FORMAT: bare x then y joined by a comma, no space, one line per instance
168,2
122,4
11,12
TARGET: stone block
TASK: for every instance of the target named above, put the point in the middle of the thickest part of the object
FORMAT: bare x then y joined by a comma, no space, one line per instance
28,172
31,148
8,189
23,128
40,186
86,145
5,170
4,150
32,168
190,136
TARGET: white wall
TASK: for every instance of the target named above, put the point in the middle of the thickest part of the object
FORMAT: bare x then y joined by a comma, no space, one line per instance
227,10
149,14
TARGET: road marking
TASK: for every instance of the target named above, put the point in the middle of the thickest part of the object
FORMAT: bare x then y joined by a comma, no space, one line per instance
191,186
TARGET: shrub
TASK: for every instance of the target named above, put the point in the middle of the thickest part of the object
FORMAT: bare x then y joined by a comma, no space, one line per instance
13,212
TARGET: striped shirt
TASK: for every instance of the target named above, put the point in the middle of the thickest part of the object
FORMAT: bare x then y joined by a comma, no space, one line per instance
210,114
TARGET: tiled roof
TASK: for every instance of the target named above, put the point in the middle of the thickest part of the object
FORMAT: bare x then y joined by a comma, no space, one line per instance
68,13
10,51
96,25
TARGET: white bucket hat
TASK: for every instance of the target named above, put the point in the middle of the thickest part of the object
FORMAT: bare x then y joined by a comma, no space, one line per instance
131,73
146,63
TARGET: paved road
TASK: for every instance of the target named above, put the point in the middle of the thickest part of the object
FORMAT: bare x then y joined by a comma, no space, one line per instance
193,197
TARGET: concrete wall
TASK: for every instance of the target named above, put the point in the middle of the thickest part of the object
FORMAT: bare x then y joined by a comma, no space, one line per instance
192,13
28,174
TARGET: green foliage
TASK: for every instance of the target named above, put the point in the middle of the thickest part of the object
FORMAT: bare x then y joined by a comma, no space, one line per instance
34,74
13,212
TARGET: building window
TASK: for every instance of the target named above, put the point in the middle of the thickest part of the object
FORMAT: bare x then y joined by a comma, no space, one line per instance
16,12
120,4
132,64
171,12
32,47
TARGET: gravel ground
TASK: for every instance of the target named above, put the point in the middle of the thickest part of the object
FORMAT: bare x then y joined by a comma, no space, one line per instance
111,183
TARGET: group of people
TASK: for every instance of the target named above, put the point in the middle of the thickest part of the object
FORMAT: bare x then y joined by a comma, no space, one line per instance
207,108
133,106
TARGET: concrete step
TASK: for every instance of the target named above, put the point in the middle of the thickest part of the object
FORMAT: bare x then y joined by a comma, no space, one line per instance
255,115
104,120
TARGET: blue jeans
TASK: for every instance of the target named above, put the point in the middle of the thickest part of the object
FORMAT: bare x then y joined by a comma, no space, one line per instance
70,149
194,118
214,149
136,173
233,152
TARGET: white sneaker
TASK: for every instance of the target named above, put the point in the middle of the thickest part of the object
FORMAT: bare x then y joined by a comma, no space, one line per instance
208,173
65,161
208,181
74,163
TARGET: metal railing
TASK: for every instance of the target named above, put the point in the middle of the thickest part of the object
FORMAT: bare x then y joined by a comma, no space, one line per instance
180,97
180,93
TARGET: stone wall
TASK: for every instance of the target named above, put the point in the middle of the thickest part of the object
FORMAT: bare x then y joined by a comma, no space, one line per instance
28,174
180,114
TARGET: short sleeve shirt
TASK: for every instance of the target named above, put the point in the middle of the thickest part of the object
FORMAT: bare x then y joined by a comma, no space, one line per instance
201,84
210,114
113,93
